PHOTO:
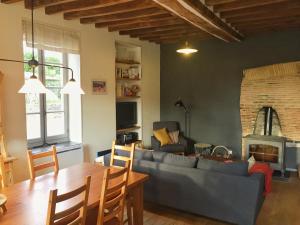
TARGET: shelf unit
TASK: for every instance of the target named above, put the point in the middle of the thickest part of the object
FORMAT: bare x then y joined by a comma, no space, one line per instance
128,129
129,74
123,98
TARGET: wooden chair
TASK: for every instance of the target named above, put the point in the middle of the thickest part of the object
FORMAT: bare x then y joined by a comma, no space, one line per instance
34,168
2,172
76,214
112,198
129,149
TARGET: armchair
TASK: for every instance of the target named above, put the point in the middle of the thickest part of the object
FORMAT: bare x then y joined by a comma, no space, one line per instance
184,145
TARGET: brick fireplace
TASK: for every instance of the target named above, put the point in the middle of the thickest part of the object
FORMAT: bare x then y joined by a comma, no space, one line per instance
276,87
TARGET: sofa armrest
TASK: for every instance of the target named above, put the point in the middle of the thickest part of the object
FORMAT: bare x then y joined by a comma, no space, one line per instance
155,144
187,143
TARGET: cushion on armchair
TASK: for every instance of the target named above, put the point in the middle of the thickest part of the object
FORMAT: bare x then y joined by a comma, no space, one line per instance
174,136
162,136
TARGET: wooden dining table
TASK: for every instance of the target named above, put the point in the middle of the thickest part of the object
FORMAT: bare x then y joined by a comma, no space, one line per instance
27,201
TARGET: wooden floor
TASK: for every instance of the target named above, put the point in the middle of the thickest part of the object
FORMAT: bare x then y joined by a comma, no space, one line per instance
281,207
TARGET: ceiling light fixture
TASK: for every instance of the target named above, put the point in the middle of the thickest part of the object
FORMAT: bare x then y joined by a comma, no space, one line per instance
33,85
186,50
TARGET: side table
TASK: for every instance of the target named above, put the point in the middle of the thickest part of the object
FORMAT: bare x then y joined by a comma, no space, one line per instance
202,149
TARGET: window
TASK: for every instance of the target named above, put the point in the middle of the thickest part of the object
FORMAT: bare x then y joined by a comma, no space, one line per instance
47,117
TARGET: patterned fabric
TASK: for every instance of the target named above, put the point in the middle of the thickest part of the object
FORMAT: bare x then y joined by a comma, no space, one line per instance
174,136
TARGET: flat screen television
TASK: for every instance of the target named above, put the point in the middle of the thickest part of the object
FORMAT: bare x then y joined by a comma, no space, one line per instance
126,114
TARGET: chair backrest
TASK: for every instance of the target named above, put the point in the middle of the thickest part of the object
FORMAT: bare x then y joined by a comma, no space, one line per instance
75,214
127,156
34,168
2,172
3,151
170,125
112,198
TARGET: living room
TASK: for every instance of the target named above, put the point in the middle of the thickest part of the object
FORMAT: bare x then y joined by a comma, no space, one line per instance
207,93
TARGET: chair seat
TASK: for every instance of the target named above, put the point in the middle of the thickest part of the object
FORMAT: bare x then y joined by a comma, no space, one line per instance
114,221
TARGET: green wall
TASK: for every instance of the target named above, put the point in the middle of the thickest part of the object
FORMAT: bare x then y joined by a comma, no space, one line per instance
210,81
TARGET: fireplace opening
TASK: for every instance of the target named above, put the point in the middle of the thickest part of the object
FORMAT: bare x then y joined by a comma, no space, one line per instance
267,122
264,153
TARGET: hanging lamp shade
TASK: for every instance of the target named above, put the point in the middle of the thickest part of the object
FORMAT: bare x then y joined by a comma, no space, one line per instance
33,86
72,88
186,50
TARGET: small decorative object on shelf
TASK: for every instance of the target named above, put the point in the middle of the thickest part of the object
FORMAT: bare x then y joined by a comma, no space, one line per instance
131,91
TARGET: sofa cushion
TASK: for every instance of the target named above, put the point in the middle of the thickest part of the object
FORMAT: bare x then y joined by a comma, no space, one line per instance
143,155
235,168
159,156
180,160
162,136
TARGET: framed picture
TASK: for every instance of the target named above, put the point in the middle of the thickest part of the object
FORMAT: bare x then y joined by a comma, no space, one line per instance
99,87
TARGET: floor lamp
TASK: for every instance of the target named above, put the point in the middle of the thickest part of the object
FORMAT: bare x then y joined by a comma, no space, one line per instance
187,109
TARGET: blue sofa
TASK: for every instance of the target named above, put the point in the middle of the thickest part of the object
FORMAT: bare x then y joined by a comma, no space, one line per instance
204,187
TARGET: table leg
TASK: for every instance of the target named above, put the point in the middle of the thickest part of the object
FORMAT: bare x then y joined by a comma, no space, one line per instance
138,204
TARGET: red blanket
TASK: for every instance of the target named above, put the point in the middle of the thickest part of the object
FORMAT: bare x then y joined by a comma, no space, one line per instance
267,171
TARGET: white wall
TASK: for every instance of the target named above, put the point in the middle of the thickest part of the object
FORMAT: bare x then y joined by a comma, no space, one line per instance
97,62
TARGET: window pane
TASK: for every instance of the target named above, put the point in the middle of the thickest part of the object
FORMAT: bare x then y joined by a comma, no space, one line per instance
55,101
53,77
32,103
33,122
55,124
53,57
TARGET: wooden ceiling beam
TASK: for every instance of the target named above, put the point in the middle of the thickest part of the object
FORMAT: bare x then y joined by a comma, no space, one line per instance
168,32
269,9
106,10
197,14
42,3
251,32
244,4
80,4
177,38
218,2
278,25
150,19
138,25
139,13
263,16
171,36
9,1
290,19
155,29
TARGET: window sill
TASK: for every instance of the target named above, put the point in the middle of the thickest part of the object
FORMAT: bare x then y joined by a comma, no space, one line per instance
61,147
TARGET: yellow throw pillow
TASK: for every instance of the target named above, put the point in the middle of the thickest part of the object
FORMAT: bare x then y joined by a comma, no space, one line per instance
162,136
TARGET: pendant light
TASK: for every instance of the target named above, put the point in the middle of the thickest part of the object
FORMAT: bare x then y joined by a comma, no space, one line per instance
186,50
33,85
72,87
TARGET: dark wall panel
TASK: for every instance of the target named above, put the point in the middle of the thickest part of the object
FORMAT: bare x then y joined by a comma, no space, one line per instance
210,81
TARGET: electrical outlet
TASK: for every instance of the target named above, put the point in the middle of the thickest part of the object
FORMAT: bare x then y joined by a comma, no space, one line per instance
230,152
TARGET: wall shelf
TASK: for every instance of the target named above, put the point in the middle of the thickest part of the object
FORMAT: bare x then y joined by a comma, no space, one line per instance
129,62
128,129
127,98
127,79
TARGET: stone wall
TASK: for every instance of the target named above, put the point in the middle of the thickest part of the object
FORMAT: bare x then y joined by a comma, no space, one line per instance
277,86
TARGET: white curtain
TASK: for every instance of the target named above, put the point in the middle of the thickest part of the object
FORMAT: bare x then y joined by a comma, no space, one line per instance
52,38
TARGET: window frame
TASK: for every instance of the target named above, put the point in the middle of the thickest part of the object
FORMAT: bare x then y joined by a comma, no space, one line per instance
44,139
